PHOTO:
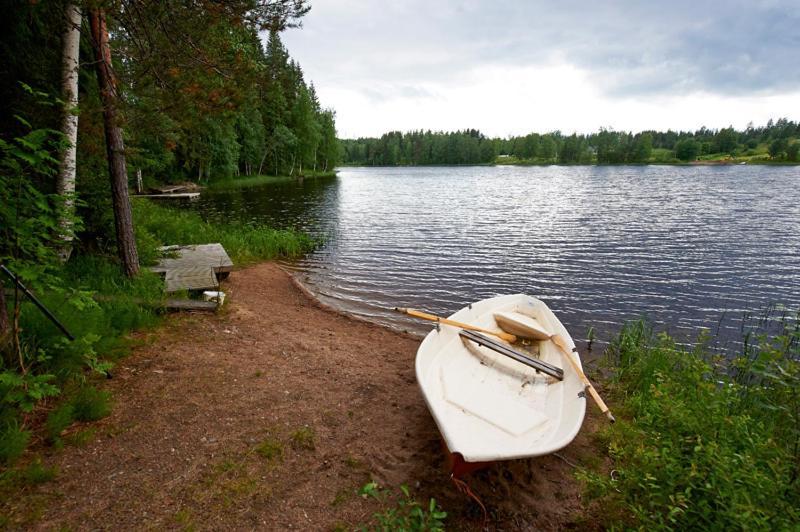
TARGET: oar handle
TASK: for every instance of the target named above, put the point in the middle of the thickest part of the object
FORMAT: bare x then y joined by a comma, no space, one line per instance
562,345
431,317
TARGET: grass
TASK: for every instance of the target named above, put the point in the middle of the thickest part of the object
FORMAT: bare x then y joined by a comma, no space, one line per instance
259,180
270,449
303,438
13,441
244,243
704,441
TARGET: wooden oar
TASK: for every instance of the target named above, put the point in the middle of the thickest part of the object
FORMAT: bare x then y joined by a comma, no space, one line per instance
559,341
431,317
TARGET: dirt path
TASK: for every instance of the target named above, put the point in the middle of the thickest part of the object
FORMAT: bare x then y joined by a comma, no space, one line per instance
271,416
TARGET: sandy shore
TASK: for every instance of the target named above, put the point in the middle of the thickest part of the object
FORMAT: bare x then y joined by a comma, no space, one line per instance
271,415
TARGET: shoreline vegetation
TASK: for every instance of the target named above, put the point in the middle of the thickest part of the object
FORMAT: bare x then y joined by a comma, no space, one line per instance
262,180
52,382
778,142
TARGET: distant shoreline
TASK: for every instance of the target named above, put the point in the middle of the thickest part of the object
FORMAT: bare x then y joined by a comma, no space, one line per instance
714,162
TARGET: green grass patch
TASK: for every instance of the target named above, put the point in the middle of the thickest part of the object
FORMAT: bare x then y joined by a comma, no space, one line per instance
303,438
260,180
13,441
80,438
91,404
244,243
704,442
57,422
270,449
37,473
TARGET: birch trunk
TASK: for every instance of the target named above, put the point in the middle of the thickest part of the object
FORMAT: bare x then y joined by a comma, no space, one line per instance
115,147
65,185
260,166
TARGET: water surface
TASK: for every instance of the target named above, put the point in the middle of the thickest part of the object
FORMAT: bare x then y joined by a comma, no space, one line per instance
687,247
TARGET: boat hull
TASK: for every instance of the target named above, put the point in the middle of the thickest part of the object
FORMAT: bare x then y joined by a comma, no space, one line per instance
489,407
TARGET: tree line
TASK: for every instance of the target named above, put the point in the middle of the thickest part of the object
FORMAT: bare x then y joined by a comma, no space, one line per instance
777,141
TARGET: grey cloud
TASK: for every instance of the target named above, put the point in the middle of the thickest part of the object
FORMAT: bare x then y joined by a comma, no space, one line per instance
385,92
631,47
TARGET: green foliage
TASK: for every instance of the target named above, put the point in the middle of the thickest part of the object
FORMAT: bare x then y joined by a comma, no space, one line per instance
58,420
243,243
687,149
408,515
710,444
91,404
420,148
23,390
793,151
604,147
13,441
778,147
37,473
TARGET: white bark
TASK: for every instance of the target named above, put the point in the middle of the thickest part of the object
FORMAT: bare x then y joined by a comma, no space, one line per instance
65,185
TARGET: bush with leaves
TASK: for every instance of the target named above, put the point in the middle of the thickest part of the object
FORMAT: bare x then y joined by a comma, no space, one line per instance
705,442
35,358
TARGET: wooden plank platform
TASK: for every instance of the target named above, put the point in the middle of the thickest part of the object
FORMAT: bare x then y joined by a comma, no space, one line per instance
190,305
193,267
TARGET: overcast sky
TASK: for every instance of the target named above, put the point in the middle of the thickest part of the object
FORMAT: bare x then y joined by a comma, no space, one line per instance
515,66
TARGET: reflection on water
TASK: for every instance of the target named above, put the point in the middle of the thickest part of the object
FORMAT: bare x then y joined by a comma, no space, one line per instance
684,246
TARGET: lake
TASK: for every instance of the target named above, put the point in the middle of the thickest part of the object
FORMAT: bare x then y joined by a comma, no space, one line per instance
687,247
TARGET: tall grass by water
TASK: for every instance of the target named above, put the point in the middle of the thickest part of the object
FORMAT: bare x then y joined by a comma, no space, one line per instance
706,441
260,180
158,225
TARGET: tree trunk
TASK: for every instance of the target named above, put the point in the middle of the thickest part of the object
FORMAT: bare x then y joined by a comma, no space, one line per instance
260,166
65,185
4,326
115,148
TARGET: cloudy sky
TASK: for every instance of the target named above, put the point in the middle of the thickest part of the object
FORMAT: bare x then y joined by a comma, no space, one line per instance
516,66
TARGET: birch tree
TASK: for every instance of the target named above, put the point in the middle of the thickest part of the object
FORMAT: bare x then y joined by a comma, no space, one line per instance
65,184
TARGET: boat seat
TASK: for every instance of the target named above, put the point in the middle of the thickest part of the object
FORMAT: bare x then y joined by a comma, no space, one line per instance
489,400
521,325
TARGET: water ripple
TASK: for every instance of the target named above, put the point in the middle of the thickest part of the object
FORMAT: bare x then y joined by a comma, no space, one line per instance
682,245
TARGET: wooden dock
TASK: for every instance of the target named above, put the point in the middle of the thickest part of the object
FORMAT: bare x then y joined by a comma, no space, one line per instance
196,267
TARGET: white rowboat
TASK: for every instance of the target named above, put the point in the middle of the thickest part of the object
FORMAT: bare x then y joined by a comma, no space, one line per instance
491,407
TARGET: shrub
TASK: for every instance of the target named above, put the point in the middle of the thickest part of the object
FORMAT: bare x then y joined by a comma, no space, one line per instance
58,420
705,442
407,515
91,404
13,440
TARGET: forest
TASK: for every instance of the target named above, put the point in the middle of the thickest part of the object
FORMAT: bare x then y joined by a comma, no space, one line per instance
777,141
94,94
